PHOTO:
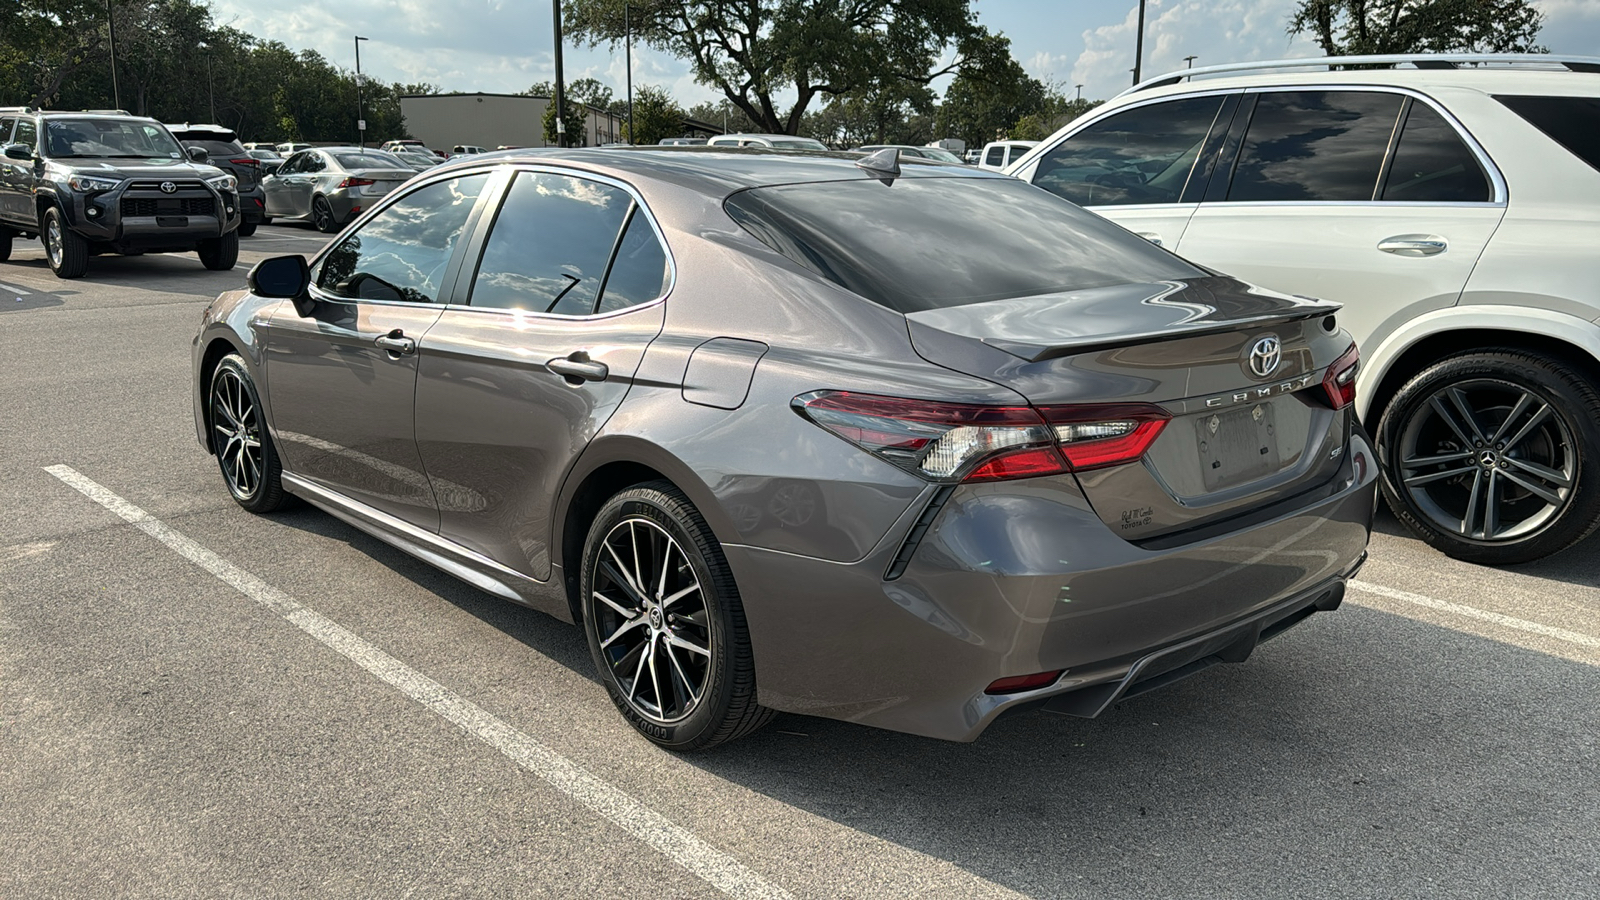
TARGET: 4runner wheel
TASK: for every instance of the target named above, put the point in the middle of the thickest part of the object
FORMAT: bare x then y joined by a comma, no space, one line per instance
65,250
322,215
220,253
245,454
1494,456
247,228
665,624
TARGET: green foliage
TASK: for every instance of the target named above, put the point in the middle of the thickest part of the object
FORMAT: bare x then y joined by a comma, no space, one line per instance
899,113
175,63
724,115
1057,112
990,95
655,115
754,51
1350,27
577,122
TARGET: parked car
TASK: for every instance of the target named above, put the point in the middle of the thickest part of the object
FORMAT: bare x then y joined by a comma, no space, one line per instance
392,146
289,148
329,186
773,141
999,154
682,142
974,449
1449,203
268,159
224,151
93,183
936,154
417,159
466,150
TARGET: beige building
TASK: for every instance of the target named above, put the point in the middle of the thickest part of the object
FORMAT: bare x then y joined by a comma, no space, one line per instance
495,120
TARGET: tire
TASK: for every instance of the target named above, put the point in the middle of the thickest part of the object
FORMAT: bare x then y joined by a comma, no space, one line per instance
1494,456
695,643
252,474
65,250
247,228
220,253
6,237
322,215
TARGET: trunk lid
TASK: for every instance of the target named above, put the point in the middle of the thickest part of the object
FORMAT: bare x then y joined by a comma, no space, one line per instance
1238,439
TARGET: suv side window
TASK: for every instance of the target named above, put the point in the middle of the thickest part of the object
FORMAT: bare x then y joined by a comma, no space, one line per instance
1431,164
1309,146
550,244
27,134
1144,155
402,252
5,129
996,157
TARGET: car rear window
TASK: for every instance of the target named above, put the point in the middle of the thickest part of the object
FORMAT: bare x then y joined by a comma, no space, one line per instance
369,161
230,149
1572,122
934,242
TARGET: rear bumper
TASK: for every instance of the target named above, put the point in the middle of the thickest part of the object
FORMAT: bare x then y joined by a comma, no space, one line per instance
1014,578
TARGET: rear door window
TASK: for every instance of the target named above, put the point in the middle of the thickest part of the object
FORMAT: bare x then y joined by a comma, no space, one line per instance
1144,155
1432,164
5,128
996,156
403,252
1572,122
1315,146
27,133
550,244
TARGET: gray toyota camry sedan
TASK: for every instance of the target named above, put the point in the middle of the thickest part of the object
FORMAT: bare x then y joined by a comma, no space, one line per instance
877,439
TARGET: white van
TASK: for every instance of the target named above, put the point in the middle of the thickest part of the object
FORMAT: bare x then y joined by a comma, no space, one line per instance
776,141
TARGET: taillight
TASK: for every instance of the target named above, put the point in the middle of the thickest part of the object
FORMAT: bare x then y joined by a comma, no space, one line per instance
356,182
247,161
968,442
1340,380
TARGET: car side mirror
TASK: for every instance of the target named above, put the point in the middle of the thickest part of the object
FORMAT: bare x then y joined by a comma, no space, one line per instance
199,154
284,278
20,152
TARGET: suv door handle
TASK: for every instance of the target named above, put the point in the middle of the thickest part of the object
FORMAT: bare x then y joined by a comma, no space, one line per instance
576,368
396,342
1414,244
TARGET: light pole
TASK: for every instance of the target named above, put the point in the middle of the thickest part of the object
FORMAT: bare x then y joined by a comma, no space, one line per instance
1190,60
560,91
627,32
1138,46
1080,92
111,22
361,123
211,81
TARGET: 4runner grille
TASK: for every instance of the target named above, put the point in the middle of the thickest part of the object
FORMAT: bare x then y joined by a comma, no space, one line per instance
168,206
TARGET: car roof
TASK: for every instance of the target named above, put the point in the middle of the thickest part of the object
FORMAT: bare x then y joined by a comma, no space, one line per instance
717,171
1492,73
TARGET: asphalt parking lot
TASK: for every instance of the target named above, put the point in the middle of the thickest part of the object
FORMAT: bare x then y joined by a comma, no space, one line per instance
198,702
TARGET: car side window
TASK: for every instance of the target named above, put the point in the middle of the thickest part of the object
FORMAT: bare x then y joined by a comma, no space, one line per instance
1143,155
1431,163
550,243
1309,146
313,162
639,272
996,156
292,164
401,253
5,129
27,133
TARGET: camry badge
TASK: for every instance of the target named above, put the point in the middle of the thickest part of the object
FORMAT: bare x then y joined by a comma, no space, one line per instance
168,187
1265,355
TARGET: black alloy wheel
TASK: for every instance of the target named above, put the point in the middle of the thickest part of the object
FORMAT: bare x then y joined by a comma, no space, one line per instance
664,622
64,249
1494,457
322,215
244,449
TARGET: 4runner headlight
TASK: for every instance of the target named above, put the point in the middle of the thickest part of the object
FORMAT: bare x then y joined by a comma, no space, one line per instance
89,183
224,183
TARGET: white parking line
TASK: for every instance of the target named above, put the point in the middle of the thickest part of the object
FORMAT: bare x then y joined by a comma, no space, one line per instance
675,842
11,288
1483,615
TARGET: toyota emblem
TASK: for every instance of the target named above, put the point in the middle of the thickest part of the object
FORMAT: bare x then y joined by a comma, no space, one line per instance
1265,355
169,187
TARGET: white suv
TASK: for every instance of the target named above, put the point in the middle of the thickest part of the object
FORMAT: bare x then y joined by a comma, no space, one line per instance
1451,203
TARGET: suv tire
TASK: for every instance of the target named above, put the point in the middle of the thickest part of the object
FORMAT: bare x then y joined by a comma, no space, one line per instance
220,253
65,250
247,228
1494,456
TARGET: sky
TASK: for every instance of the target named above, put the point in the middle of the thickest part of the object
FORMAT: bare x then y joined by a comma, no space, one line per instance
503,46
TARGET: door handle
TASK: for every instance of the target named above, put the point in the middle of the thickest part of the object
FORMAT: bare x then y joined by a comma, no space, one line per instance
1414,244
396,343
1151,236
577,367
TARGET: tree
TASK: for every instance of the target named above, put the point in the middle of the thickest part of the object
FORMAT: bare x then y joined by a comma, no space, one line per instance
1353,27
724,115
896,114
756,50
577,121
655,115
990,95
